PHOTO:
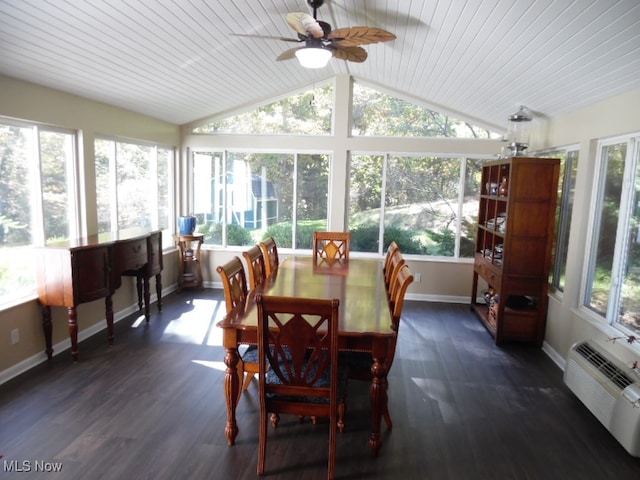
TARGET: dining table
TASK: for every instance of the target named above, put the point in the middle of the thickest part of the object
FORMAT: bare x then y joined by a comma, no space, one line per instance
365,323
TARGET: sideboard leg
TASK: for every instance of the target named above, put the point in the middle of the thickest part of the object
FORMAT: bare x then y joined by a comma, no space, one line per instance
73,332
46,327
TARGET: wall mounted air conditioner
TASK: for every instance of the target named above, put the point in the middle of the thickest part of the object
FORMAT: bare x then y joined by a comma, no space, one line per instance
608,389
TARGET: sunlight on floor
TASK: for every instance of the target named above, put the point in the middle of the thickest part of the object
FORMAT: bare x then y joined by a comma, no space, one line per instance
220,366
197,324
139,321
436,391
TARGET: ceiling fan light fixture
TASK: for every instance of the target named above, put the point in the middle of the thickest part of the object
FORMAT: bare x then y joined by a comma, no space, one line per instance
313,57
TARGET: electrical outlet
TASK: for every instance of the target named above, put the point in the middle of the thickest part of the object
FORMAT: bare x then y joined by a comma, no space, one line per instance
15,336
417,277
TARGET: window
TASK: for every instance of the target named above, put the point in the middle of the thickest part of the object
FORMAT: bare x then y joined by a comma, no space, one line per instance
133,186
613,282
428,205
566,192
241,197
378,114
37,200
309,113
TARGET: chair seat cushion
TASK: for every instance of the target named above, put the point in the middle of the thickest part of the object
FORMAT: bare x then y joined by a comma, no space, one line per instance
250,355
324,381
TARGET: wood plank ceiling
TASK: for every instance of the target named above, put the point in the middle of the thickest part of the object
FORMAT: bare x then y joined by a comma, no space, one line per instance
177,60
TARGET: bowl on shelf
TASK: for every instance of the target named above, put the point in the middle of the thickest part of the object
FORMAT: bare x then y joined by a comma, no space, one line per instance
188,277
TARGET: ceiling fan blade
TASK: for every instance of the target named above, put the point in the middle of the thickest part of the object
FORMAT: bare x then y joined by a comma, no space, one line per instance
268,37
353,36
352,54
288,55
305,24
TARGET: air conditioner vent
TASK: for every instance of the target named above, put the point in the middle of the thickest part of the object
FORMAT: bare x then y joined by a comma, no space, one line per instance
608,369
597,378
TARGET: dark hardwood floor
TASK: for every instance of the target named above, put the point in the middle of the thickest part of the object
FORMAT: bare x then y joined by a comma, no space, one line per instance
152,407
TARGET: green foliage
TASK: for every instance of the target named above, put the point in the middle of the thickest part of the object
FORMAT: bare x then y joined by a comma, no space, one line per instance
378,114
309,113
364,238
236,234
467,238
444,243
282,232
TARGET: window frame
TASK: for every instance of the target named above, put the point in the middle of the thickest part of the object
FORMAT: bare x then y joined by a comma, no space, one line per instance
37,205
169,230
225,153
564,210
631,165
463,160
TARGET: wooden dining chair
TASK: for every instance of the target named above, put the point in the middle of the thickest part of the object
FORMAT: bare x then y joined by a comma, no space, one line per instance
298,363
331,245
234,282
256,267
395,262
359,363
270,252
391,249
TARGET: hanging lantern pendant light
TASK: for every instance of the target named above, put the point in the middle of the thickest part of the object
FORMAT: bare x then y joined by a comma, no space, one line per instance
519,131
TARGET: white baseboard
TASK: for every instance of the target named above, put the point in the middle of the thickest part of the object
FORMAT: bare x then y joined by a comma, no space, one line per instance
553,355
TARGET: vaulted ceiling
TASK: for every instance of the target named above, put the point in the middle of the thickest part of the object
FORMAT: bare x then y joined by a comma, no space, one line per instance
177,60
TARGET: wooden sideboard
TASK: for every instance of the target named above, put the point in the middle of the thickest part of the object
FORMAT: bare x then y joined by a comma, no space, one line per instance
87,269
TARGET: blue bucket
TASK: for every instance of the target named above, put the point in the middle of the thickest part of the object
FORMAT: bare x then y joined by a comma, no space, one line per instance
187,225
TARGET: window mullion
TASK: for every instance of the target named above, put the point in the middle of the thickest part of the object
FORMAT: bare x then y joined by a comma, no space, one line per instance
37,202
383,197
294,213
461,192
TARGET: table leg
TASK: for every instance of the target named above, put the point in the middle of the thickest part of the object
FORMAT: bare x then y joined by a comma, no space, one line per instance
159,291
73,331
47,328
231,392
147,297
378,394
108,302
139,289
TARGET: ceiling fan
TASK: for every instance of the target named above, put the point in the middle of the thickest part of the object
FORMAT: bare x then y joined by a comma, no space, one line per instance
321,42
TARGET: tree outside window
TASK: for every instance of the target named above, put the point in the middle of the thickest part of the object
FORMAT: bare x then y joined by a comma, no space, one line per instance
37,200
613,286
428,205
133,186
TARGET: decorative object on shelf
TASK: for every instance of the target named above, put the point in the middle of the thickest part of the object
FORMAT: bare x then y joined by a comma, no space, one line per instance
492,188
187,225
519,131
503,190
